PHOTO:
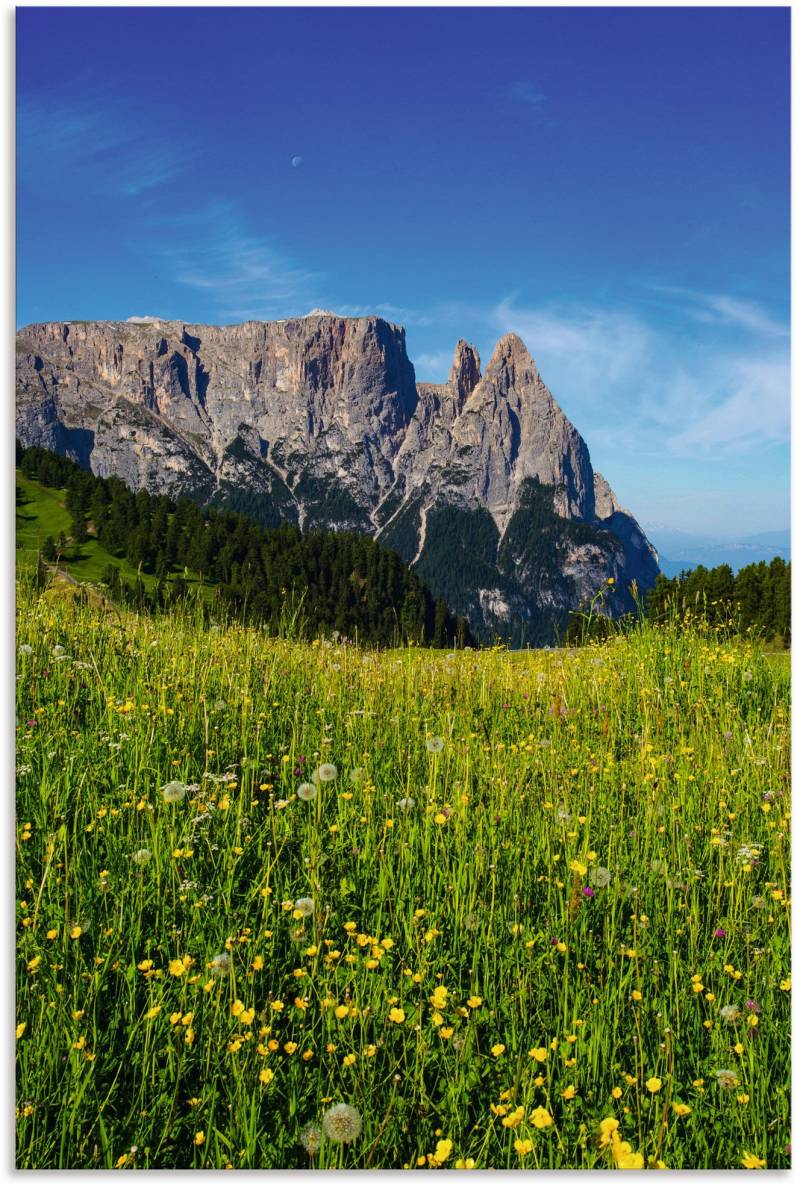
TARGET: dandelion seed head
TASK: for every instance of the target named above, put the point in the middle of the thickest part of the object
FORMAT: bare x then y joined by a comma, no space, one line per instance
311,1139
174,792
307,791
342,1124
221,964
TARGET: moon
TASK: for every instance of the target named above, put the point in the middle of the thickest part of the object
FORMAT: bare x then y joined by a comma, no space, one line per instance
296,161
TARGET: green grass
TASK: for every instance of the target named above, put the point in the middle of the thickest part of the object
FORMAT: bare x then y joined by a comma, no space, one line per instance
44,514
652,770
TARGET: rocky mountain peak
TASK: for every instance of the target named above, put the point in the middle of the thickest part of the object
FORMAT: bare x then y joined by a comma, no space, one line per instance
319,420
465,372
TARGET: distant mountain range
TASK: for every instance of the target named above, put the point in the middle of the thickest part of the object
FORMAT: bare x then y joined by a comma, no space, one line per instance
481,483
680,551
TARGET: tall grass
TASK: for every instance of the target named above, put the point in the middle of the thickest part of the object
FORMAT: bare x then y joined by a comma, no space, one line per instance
572,909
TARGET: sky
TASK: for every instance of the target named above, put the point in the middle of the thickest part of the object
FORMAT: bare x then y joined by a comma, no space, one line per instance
610,184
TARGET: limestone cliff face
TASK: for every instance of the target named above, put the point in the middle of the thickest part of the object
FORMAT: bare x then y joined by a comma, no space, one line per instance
319,420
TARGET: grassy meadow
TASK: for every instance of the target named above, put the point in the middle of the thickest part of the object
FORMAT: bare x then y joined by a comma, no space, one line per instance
284,905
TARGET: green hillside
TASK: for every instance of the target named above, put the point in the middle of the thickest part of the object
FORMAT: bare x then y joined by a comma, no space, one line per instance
41,513
149,551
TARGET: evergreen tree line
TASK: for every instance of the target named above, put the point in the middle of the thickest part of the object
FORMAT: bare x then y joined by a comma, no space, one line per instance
758,599
324,582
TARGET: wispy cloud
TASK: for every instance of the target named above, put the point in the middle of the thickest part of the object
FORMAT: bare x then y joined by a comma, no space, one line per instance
525,92
599,345
634,385
433,367
245,275
390,312
713,308
96,144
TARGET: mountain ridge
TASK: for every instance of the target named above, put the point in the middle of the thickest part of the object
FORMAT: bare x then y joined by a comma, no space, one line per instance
319,420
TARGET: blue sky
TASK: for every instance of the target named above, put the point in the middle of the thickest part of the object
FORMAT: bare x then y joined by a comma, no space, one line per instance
611,184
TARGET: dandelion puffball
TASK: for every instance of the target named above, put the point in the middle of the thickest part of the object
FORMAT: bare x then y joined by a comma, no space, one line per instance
327,772
307,791
220,964
311,1138
304,906
342,1124
173,791
434,744
142,857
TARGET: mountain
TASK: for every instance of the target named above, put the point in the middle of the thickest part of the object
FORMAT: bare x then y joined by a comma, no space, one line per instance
481,483
687,551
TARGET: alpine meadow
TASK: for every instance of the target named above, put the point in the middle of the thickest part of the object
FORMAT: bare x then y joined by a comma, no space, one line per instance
286,904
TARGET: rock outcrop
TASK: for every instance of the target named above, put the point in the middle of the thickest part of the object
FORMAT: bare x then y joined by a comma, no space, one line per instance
482,481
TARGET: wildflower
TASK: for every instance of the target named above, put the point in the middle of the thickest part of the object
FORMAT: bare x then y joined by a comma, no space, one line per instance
786,984
719,932
397,1015
608,1130
523,1147
327,772
141,857
626,1158
730,1012
434,744
265,1077
443,1150
681,1109
653,1085
21,1029
465,1163
173,792
515,1118
498,1049
475,1001
307,791
221,964
304,906
199,1138
578,868
569,1093
586,891
541,1117
177,967
439,997
539,1053
405,804
152,1012
342,1124
751,1161
311,1139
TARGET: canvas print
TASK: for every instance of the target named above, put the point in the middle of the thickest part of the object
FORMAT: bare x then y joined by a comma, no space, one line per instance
403,588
